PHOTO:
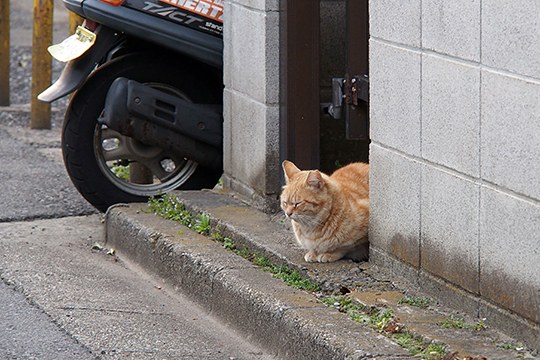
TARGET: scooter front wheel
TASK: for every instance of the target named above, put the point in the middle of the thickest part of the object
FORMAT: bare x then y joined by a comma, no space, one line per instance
107,167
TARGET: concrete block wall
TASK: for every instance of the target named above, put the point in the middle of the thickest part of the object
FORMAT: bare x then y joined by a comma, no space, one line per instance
251,100
455,153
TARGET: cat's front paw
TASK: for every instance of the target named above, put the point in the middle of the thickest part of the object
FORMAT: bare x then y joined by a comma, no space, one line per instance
326,258
310,256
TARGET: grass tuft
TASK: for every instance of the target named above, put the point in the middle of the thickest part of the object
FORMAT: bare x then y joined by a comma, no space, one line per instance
383,320
169,207
510,345
415,345
376,318
121,171
202,224
454,322
418,301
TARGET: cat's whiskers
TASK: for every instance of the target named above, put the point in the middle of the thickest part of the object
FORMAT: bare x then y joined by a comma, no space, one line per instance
312,222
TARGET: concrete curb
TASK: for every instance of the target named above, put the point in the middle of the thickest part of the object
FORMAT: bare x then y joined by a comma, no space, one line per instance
288,322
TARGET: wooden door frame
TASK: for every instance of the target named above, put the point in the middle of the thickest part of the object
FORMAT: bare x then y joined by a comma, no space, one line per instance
299,112
300,85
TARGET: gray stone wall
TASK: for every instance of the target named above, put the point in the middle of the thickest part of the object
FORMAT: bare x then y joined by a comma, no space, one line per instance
455,153
251,100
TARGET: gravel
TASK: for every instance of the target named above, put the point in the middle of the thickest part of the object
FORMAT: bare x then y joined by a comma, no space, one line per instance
21,90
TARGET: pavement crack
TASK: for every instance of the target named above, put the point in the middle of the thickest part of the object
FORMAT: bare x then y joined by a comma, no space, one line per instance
119,311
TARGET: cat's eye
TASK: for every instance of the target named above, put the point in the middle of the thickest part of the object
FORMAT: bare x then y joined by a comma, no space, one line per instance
297,203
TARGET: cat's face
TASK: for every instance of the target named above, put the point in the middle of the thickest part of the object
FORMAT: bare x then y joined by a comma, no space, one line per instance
304,196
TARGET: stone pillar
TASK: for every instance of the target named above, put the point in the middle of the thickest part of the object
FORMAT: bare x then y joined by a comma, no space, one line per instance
251,101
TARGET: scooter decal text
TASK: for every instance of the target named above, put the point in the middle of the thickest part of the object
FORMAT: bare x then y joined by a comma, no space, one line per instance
212,9
171,12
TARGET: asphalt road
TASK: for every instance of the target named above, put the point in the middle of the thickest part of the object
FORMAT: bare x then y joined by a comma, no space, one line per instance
34,182
27,332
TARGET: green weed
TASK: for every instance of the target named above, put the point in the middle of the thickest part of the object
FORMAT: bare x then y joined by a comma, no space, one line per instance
415,345
376,318
452,322
121,171
228,244
435,350
383,320
418,301
289,276
262,261
509,345
216,235
170,208
202,224
292,278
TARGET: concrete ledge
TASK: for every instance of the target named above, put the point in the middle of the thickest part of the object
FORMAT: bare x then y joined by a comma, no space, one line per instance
456,298
288,322
273,237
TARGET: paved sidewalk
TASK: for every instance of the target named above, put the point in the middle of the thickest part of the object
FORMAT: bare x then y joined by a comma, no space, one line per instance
86,303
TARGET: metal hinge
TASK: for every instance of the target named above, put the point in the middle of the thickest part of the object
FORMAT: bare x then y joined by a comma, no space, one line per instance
348,91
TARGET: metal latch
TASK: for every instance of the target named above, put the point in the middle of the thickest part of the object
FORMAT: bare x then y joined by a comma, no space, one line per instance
348,91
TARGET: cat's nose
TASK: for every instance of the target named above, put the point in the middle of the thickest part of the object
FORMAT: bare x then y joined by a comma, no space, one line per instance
288,213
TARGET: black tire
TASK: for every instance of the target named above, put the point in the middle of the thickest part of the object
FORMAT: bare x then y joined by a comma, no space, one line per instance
81,136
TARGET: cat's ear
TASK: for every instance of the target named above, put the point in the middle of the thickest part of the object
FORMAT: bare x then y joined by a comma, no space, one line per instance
289,169
315,179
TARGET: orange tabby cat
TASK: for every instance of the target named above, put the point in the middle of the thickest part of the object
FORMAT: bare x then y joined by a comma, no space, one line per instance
329,213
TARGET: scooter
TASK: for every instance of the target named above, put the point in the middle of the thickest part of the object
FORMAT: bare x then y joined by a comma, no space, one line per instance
145,117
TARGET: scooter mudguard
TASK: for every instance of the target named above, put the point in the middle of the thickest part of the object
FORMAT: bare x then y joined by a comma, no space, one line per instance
76,71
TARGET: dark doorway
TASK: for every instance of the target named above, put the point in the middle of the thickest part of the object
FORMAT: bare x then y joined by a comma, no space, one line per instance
320,43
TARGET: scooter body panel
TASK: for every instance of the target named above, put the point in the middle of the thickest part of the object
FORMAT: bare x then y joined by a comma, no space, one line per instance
185,40
166,26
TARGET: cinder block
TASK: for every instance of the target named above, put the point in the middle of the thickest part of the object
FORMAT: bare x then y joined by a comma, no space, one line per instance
395,96
451,114
251,148
449,240
511,36
396,20
272,58
394,221
510,252
251,52
452,27
511,133
228,53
